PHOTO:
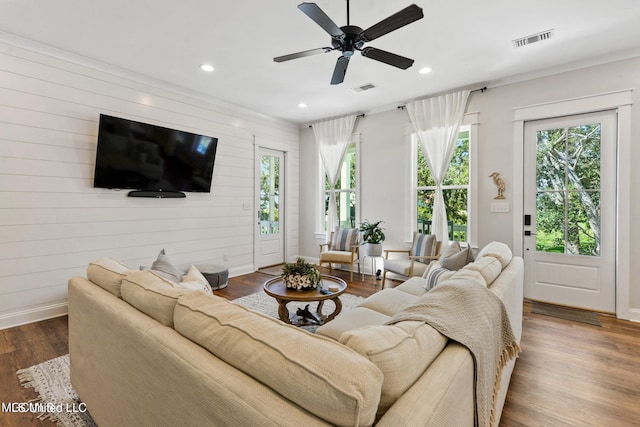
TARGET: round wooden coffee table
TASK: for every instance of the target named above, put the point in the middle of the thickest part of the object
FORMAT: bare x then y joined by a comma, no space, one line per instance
276,288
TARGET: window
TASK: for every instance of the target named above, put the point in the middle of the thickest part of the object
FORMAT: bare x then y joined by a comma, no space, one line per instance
346,190
456,188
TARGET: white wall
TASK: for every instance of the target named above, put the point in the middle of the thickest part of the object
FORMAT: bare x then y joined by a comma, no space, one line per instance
384,153
53,222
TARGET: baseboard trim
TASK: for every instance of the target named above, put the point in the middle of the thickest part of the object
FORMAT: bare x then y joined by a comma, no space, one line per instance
634,315
22,317
239,270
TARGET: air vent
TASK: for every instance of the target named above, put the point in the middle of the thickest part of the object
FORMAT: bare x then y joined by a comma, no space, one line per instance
364,87
533,38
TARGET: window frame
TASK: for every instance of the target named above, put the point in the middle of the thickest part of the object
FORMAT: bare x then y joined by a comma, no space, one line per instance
321,231
470,123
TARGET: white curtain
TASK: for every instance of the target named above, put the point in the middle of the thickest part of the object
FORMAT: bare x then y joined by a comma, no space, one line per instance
436,121
332,138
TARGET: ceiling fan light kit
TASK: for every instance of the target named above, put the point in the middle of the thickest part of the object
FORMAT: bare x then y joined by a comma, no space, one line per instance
350,38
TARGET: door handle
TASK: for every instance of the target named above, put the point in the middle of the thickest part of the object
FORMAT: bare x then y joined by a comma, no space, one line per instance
529,233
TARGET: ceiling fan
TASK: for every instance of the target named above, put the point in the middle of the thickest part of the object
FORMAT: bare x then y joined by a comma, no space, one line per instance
349,38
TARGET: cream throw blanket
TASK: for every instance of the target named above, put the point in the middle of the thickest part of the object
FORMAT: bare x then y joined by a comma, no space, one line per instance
472,315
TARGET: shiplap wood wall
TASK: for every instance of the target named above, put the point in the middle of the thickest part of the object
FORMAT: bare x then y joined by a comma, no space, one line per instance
53,222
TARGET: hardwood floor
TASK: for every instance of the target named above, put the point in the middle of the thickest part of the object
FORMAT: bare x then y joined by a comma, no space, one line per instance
569,374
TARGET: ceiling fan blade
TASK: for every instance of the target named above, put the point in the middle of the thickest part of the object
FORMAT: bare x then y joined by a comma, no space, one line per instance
302,54
398,20
314,12
340,70
387,57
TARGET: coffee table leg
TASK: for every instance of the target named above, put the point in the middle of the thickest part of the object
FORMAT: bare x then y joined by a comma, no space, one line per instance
337,311
283,312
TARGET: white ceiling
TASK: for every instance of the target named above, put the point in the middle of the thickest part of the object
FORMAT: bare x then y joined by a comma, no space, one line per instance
466,43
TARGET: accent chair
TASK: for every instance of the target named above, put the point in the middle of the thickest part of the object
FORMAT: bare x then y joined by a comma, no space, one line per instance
342,248
414,261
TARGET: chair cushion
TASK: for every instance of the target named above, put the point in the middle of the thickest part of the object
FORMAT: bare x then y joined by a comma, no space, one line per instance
403,266
320,375
336,256
344,238
423,244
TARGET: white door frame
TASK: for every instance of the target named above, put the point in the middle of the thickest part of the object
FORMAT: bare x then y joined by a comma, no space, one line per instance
620,101
283,202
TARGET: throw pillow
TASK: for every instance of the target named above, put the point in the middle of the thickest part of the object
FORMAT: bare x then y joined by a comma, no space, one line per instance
165,268
195,280
452,260
435,275
344,238
423,244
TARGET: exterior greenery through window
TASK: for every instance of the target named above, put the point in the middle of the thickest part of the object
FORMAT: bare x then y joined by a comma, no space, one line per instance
568,187
455,188
345,191
269,195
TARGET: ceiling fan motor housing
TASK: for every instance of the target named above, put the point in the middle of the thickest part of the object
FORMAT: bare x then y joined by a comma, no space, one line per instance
350,42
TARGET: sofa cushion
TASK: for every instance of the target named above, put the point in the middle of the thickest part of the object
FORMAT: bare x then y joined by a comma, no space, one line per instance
488,266
352,319
320,375
107,273
165,268
389,301
413,286
462,277
402,352
153,295
498,250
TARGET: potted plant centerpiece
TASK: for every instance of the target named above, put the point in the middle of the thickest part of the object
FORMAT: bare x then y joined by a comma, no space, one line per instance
300,275
372,237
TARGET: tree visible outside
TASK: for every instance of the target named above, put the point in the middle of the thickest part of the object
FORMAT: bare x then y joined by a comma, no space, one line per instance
568,190
269,195
345,191
455,188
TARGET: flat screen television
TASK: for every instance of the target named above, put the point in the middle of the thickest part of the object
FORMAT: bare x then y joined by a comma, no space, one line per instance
155,159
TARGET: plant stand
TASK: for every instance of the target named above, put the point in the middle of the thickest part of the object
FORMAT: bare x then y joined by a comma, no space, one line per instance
374,264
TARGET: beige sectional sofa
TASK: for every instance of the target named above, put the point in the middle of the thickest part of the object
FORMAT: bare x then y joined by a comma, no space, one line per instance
146,353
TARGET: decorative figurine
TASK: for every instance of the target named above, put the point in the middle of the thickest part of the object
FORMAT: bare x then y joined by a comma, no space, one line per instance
306,314
499,183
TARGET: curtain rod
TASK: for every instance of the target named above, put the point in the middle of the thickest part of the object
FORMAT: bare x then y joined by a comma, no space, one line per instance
482,89
358,116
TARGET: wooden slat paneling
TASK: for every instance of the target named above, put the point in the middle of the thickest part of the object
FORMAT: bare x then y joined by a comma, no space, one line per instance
53,222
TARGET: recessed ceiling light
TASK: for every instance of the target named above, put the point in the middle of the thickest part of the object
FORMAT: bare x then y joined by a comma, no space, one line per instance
425,70
206,67
302,105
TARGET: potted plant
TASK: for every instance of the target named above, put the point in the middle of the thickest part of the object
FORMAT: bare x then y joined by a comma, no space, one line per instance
372,237
300,275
